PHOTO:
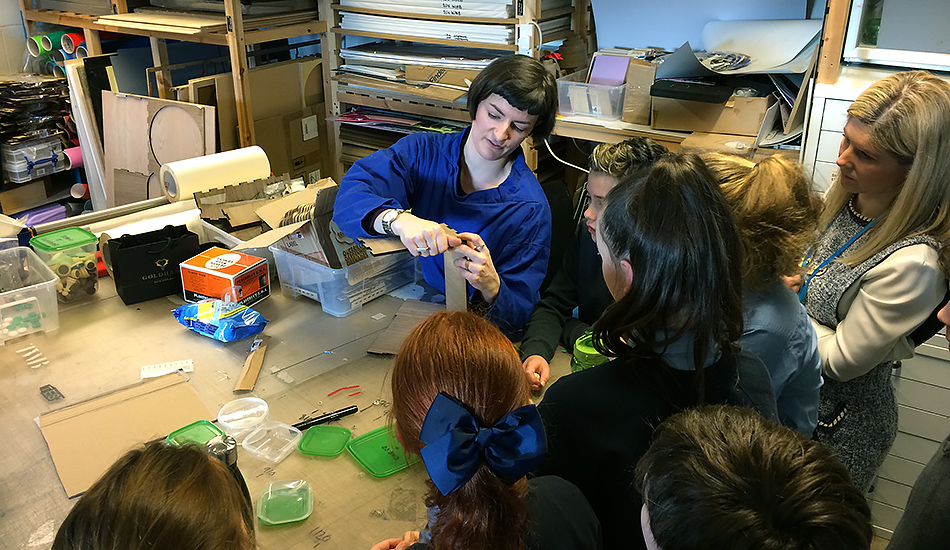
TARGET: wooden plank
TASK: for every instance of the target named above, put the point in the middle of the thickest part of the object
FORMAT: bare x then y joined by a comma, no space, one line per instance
832,40
890,493
900,470
922,396
278,33
242,89
914,448
167,19
922,423
163,77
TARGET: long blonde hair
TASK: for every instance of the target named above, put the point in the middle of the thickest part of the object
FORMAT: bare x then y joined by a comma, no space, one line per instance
776,209
909,117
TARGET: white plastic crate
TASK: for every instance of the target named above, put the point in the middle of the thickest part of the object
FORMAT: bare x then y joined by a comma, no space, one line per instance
343,291
27,294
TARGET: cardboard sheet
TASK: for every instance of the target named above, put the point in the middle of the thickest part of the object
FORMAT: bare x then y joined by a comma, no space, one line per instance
86,438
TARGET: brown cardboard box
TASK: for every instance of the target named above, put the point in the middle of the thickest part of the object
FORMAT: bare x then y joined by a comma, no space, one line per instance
637,100
731,144
740,115
293,142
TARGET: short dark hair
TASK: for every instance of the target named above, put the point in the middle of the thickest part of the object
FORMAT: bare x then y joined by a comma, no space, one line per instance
161,497
524,83
673,225
724,477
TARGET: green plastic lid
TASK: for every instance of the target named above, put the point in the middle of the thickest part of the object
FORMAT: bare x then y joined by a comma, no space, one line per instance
63,239
324,440
285,502
379,453
199,432
585,355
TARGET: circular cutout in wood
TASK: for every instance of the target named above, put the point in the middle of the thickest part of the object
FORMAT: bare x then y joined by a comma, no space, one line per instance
174,134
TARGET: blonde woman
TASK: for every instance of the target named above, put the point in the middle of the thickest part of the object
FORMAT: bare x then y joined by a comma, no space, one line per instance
874,275
777,212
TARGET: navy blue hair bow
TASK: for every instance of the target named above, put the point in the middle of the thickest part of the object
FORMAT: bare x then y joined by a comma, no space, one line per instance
454,444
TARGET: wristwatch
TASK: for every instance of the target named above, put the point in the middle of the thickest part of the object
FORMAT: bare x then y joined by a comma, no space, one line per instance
387,220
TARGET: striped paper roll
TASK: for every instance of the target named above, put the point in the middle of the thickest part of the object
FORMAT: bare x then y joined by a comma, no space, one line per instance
71,40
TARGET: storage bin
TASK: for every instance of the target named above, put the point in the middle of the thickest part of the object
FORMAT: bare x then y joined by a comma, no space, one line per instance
343,291
27,160
576,97
71,254
27,294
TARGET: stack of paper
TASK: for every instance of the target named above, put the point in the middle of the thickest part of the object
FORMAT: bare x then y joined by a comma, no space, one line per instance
499,9
462,32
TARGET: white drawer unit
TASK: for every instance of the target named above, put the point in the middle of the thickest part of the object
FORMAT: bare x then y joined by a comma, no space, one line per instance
922,388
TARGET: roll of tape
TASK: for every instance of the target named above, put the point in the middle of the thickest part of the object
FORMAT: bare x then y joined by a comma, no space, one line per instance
81,51
70,40
182,179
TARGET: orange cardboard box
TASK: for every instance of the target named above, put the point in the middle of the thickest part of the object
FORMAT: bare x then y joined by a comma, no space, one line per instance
214,271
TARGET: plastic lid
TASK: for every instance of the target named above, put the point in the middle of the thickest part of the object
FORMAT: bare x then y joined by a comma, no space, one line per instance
584,352
285,502
63,239
272,441
379,453
239,417
199,432
324,440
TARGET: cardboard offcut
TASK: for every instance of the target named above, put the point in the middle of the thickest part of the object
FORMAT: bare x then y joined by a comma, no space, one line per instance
637,99
86,438
740,115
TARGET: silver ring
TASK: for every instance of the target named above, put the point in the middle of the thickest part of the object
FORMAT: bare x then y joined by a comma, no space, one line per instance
478,248
422,249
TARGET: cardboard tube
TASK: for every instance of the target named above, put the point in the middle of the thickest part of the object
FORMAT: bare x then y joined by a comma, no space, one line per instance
183,178
81,52
73,158
70,40
79,191
35,45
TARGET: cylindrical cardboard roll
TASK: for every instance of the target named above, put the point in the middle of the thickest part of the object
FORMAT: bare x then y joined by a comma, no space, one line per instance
70,40
183,178
53,41
60,56
73,158
81,51
55,69
35,45
79,191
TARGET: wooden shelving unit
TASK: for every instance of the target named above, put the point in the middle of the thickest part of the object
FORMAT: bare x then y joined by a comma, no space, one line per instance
343,92
234,31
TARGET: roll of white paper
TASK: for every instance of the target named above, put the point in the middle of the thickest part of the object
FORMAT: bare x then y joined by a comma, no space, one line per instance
183,178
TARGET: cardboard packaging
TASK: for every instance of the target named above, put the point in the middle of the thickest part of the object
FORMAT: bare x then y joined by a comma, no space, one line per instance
211,273
740,115
438,75
292,143
637,100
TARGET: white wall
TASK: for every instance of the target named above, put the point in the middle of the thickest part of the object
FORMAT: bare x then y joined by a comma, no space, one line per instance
12,37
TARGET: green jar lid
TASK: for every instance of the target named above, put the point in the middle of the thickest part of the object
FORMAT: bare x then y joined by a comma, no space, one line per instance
585,355
63,239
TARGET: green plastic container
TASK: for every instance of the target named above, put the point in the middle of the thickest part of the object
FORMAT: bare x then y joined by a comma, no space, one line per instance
199,432
585,356
324,440
71,254
285,502
379,453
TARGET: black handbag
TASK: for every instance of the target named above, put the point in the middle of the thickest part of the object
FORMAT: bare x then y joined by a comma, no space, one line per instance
145,266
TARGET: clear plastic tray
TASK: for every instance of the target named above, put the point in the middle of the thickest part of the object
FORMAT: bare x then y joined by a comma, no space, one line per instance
272,441
240,417
285,502
27,294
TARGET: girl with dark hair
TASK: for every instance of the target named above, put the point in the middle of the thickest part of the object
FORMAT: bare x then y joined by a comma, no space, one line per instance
464,405
476,182
672,258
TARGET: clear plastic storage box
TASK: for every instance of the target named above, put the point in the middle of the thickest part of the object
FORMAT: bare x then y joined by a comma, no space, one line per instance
31,159
576,97
27,294
343,291
71,254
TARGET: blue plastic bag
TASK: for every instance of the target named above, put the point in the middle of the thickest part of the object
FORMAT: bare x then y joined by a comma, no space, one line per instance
224,321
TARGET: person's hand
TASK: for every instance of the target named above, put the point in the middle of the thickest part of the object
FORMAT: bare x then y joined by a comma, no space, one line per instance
422,237
410,538
476,266
793,282
537,370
